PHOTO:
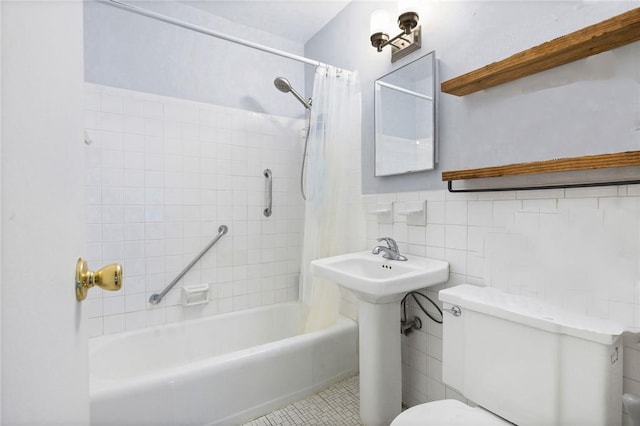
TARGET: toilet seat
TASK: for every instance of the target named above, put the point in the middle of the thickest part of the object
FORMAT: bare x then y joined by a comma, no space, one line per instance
447,412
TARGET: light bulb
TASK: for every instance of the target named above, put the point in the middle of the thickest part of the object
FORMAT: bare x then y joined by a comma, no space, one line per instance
379,22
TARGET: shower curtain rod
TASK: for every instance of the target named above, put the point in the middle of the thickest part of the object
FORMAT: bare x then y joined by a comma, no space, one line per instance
202,30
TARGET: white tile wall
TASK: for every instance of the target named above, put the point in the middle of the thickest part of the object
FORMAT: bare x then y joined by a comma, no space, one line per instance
161,175
578,249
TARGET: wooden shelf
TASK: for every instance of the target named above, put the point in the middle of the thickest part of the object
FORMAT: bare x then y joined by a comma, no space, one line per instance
606,35
589,162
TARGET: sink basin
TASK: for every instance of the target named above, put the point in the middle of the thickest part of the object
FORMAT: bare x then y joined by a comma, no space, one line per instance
375,279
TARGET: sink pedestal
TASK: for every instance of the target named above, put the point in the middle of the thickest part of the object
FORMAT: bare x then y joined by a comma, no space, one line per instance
380,284
380,362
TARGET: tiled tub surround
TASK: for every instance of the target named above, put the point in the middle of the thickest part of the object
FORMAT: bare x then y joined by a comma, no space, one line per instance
576,248
161,175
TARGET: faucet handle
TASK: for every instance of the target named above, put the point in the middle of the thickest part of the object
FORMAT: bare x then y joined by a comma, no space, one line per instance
391,243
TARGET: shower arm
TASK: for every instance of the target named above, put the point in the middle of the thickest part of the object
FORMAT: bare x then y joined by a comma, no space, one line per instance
306,103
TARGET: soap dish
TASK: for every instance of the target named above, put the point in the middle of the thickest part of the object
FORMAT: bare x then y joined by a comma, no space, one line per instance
195,294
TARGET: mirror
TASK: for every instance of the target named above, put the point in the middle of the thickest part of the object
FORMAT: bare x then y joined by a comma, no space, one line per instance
405,118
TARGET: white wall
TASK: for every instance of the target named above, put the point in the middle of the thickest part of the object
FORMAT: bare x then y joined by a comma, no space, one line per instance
133,52
484,129
44,344
162,175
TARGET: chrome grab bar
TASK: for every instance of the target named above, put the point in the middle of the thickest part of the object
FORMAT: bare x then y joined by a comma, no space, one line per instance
156,298
267,173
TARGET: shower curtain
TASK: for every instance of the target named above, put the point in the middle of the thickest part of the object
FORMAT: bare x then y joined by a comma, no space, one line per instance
332,184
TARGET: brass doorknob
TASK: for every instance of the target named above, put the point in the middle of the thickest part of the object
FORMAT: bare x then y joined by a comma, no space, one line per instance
107,278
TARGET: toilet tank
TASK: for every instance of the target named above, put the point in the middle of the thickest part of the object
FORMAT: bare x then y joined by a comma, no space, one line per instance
530,363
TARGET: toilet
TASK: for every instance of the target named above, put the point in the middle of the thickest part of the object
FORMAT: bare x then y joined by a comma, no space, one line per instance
523,362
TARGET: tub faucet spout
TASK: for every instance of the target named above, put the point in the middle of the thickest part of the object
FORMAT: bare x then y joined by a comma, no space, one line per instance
391,251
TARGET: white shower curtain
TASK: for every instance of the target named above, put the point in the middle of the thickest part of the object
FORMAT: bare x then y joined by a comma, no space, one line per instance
332,185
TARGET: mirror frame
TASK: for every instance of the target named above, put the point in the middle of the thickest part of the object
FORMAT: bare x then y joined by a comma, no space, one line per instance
434,117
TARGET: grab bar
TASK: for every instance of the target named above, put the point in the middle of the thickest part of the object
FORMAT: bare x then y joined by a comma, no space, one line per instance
156,298
267,173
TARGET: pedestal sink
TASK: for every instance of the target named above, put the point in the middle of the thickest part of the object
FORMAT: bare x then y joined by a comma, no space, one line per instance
379,285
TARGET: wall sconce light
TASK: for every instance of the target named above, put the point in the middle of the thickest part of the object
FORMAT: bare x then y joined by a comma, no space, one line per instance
409,40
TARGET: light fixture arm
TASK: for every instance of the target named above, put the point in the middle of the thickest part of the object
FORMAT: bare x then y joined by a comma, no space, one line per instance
384,44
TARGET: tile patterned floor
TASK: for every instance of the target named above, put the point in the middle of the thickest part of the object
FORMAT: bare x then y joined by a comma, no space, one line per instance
335,406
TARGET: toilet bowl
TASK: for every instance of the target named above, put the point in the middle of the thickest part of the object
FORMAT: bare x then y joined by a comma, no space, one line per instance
632,404
447,412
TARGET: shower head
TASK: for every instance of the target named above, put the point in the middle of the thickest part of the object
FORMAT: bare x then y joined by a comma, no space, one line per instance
283,85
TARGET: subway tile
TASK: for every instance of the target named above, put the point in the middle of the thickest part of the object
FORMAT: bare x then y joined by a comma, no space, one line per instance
155,317
132,142
577,203
133,125
135,320
92,157
111,177
95,327
601,191
112,196
526,222
93,195
113,305
456,212
134,303
633,190
436,212
540,194
480,213
546,204
112,232
457,261
504,212
475,265
152,110
476,239
456,237
133,106
434,346
111,122
93,308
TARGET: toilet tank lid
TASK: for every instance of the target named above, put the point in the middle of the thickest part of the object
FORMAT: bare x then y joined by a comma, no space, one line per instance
531,312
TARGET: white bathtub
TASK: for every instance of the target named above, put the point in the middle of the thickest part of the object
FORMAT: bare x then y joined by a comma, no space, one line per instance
217,370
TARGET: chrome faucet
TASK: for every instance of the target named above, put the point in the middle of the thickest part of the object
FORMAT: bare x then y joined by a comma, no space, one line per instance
391,251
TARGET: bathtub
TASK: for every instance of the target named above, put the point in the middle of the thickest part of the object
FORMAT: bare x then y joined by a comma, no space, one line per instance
223,369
